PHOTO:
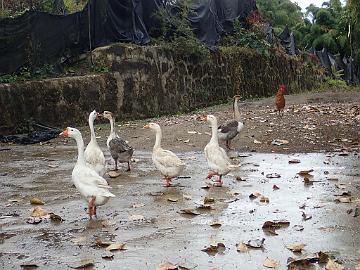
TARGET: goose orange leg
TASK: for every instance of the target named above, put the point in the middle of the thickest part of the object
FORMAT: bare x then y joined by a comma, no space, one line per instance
167,181
91,207
211,174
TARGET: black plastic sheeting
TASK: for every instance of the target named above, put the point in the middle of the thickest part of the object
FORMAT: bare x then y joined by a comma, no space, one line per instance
287,40
38,38
42,134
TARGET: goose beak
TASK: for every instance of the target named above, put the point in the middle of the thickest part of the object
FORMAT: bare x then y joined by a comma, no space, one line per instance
147,126
65,133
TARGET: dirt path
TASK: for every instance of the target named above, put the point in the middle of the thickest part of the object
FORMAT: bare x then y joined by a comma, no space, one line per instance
312,122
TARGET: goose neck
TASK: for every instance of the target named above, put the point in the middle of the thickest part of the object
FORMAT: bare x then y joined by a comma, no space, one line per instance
236,111
158,137
214,132
92,131
80,146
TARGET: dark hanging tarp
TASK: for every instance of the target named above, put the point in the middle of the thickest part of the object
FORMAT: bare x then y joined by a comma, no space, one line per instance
38,38
287,39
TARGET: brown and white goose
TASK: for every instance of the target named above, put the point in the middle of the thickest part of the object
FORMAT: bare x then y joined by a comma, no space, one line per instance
231,129
119,149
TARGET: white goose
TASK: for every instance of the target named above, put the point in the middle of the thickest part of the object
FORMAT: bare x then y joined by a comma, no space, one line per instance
93,187
165,161
94,156
218,161
229,131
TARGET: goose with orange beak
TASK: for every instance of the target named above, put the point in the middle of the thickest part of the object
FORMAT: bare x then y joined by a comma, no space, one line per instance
216,157
91,186
165,161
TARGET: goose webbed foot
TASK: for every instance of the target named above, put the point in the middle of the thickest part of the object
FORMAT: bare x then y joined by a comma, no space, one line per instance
167,182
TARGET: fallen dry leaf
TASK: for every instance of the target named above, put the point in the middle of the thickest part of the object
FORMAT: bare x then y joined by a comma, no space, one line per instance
83,264
256,243
241,247
296,247
264,199
166,266
215,223
102,243
172,199
301,263
343,199
116,246
39,212
271,226
357,212
214,248
55,218
107,256
270,263
189,211
305,173
254,195
36,201
208,200
275,187
332,265
257,142
298,228
294,161
114,174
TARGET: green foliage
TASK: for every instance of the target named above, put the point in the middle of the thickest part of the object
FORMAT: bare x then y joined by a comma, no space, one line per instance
27,73
253,38
176,33
334,83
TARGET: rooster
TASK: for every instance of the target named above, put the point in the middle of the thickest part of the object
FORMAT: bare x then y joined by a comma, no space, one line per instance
280,99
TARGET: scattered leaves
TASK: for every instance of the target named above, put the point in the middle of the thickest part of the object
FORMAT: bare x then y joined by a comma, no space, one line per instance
254,195
294,161
271,226
39,212
83,264
264,199
305,173
332,265
256,243
215,223
343,199
214,248
241,247
270,263
189,212
116,246
166,266
296,247
36,201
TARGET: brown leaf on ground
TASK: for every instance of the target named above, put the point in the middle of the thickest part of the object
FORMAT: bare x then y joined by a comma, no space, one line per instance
294,161
166,266
116,246
256,243
107,256
270,263
279,142
271,226
343,199
214,248
241,247
264,199
102,243
83,263
254,195
208,200
55,218
301,263
36,201
39,212
189,211
299,228
332,265
275,187
296,247
172,199
357,212
305,173
215,223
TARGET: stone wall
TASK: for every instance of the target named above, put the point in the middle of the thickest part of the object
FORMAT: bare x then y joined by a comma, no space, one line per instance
150,81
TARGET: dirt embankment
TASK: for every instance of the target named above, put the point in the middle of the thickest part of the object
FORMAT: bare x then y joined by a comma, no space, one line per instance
312,122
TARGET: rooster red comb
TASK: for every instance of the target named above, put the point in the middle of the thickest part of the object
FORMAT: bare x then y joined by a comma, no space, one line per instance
282,86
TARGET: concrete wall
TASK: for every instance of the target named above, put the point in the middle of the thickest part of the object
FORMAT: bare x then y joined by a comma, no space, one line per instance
149,81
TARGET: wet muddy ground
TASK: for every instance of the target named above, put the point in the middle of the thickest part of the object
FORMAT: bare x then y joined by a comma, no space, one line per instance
147,217
322,208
